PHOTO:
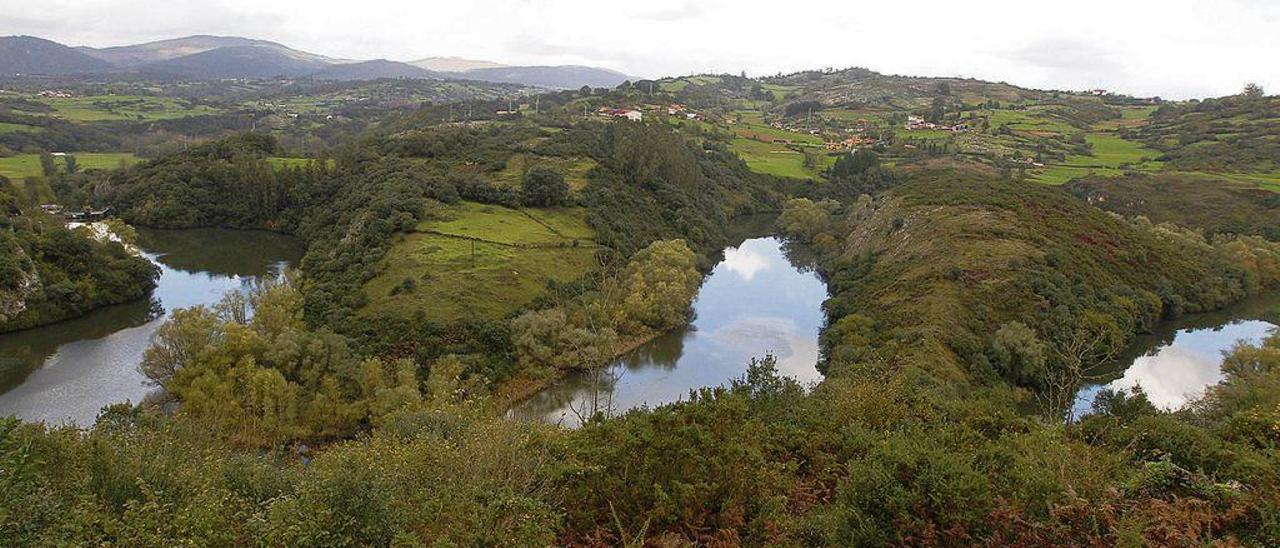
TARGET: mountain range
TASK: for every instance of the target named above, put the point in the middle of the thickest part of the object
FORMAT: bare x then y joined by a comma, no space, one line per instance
205,57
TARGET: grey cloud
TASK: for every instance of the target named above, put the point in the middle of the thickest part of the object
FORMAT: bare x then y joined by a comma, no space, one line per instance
687,10
1065,55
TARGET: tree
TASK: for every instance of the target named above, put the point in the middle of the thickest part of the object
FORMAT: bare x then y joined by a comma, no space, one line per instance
72,166
544,187
1020,354
1252,90
938,110
178,342
47,166
658,285
805,219
548,338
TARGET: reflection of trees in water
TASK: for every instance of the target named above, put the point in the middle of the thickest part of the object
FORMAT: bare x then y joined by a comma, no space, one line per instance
662,352
23,352
578,396
598,396
1264,307
745,227
220,251
801,256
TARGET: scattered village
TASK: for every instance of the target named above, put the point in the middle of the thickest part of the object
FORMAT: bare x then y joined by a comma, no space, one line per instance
84,216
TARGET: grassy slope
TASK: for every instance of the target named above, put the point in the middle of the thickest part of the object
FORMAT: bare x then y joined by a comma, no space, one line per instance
965,253
21,166
515,254
122,107
1213,204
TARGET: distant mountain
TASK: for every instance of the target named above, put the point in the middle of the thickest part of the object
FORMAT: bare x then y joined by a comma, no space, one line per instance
31,55
557,77
249,62
372,70
164,50
454,64
215,57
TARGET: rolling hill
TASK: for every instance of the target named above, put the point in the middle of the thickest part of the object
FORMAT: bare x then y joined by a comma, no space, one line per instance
454,64
31,55
556,77
372,70
202,57
164,50
235,62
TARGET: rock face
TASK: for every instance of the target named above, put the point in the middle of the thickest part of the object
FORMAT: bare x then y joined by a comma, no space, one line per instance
13,299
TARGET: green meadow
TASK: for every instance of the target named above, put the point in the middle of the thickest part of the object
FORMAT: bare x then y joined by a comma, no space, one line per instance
21,166
99,108
6,127
475,261
777,159
574,169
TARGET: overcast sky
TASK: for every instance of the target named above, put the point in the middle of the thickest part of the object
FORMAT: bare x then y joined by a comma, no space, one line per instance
1171,48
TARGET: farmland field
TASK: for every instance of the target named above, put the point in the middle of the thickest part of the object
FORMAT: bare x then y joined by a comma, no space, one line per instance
777,159
122,107
574,170
1112,156
481,261
21,166
6,127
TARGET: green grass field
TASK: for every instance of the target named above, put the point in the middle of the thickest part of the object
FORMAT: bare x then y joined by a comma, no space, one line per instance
122,107
281,161
776,159
574,170
21,166
922,135
780,92
1112,156
458,277
1033,121
6,127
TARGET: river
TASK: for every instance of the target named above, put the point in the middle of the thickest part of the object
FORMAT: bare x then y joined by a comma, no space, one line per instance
1175,364
755,301
67,371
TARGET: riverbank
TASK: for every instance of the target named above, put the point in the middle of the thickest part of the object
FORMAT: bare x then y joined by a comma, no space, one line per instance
66,371
756,302
522,387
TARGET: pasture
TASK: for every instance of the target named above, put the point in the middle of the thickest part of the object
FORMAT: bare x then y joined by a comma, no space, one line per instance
6,127
21,166
99,108
1112,157
476,261
778,159
573,169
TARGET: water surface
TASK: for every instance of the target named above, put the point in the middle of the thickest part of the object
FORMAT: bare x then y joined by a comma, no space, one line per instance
66,372
1180,360
755,302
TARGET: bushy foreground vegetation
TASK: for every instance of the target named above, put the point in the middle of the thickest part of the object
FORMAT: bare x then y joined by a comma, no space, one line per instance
875,455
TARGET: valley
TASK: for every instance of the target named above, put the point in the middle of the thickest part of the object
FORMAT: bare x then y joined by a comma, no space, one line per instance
330,301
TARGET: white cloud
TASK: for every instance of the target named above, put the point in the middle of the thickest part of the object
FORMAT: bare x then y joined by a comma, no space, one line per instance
1174,48
746,263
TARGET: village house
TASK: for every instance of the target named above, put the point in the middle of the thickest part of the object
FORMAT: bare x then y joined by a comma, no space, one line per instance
850,143
630,114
